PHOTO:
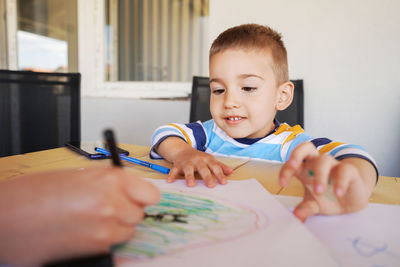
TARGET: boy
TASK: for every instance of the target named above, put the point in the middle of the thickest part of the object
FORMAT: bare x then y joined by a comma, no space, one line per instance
249,83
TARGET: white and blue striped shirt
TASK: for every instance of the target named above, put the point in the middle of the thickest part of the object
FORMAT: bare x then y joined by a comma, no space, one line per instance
276,146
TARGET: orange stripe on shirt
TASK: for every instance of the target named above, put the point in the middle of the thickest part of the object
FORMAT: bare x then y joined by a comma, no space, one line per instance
295,131
283,127
329,147
183,132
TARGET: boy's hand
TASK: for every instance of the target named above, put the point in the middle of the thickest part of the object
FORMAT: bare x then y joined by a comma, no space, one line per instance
191,160
187,161
331,186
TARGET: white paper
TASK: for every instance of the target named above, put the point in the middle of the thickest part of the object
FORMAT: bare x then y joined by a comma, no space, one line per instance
369,238
244,226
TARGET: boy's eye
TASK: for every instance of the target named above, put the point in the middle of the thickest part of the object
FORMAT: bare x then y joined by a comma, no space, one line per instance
218,91
249,89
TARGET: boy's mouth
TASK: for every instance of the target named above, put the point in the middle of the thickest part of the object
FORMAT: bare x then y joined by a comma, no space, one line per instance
234,119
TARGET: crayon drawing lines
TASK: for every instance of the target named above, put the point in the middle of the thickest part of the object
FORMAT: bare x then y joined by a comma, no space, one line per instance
184,221
376,254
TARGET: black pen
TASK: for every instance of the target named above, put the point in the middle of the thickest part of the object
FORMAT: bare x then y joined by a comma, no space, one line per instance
112,147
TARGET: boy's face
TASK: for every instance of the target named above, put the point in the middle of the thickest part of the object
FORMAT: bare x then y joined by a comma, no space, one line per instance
244,94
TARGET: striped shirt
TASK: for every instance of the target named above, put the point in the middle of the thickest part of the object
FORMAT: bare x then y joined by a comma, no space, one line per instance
276,146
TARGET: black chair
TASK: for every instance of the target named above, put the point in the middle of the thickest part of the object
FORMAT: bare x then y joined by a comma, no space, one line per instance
200,99
38,111
294,114
200,103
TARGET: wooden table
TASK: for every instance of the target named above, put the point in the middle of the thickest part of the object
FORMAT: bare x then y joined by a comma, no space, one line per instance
387,190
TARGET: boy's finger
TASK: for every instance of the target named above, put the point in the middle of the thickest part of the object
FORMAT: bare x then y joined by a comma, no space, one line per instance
299,154
343,174
319,171
206,175
188,171
286,173
303,151
306,209
172,174
218,172
226,169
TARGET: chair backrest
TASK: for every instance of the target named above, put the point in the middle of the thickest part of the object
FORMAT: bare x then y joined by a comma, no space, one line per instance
294,114
200,99
38,111
200,103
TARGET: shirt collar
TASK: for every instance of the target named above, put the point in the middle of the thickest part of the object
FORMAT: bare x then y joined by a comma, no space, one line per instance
250,141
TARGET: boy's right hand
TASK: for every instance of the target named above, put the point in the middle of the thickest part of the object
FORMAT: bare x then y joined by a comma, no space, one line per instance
187,161
190,161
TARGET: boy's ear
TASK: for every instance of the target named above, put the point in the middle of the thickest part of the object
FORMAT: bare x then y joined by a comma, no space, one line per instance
285,95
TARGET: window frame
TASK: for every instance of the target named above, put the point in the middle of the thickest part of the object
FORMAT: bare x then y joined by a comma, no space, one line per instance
3,36
91,34
9,58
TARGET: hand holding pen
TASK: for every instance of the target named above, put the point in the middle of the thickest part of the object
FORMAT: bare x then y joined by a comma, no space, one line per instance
94,191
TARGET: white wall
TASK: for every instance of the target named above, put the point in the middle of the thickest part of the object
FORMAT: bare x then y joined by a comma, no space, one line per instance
134,120
347,52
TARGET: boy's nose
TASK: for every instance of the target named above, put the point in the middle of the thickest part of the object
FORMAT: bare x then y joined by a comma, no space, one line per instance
231,100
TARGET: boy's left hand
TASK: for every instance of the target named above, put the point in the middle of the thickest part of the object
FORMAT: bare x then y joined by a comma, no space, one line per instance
331,186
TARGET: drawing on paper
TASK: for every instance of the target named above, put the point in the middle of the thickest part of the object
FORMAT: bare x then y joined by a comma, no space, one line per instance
368,249
183,221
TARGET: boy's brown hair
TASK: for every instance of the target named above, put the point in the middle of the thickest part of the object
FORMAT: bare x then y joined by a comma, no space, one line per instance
255,36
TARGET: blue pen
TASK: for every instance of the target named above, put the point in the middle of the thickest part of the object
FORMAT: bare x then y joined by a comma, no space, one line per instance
137,161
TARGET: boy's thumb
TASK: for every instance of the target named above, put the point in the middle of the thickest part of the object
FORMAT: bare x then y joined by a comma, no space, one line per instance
306,209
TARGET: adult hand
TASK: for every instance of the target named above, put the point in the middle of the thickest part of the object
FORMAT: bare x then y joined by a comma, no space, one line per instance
70,213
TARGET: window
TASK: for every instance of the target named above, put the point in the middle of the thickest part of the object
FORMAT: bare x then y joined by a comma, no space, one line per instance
155,40
122,48
46,35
